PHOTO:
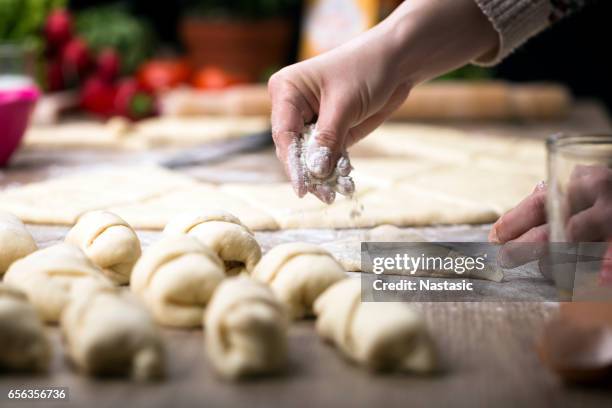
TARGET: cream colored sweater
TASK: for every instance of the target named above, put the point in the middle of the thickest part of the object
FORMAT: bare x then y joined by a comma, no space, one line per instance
518,20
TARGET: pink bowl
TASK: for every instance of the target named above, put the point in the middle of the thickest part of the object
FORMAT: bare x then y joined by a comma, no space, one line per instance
16,106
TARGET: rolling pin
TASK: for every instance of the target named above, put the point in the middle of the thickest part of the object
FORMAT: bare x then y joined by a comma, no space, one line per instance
490,100
487,100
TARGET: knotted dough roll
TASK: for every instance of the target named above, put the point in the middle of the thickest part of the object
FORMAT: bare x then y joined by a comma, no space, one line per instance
23,343
108,333
47,276
381,336
15,241
109,242
298,273
176,278
245,329
223,233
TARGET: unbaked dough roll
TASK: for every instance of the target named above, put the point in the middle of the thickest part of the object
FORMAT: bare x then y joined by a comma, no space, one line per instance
245,329
109,242
23,343
381,336
108,333
15,241
176,278
225,234
47,276
298,273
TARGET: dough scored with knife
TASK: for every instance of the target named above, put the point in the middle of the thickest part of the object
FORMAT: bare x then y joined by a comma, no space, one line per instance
424,183
109,333
48,275
298,273
109,242
15,241
176,278
23,343
246,329
348,252
223,233
378,335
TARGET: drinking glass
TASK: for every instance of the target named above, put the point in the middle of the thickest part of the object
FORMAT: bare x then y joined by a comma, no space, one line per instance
579,211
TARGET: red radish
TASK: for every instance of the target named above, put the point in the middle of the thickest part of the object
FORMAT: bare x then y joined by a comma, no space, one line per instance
55,76
132,101
97,96
76,57
58,28
108,64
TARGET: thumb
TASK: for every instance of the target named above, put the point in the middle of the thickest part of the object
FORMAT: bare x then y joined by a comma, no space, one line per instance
328,140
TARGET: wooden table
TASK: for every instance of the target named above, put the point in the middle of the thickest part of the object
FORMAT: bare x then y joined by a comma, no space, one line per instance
487,349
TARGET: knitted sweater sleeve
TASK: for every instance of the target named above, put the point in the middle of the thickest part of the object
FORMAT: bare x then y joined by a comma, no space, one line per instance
517,20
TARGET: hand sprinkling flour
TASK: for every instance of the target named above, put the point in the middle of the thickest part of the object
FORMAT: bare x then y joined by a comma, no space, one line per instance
352,89
309,165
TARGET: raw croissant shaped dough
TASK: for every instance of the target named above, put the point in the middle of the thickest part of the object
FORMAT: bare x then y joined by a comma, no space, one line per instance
47,276
246,329
176,278
15,241
23,343
109,333
109,242
381,336
223,233
298,273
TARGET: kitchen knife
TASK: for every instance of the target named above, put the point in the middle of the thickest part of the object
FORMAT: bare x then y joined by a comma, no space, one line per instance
218,151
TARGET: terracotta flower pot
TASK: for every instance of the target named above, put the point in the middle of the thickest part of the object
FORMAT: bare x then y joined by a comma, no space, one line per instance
251,48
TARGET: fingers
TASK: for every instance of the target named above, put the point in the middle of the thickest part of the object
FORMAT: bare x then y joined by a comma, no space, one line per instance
586,184
324,193
288,150
528,247
332,128
592,224
345,186
290,110
344,166
529,213
605,277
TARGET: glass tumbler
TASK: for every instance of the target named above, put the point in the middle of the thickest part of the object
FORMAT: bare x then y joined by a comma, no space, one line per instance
579,212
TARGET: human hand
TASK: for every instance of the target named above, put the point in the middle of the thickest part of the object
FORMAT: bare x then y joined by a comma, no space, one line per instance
588,216
352,89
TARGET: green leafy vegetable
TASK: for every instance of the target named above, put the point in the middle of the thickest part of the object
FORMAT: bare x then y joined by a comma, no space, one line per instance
22,21
112,26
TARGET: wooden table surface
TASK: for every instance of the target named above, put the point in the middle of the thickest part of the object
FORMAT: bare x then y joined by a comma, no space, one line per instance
487,349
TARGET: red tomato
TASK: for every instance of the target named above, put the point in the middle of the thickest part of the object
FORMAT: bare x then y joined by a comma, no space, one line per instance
159,75
215,78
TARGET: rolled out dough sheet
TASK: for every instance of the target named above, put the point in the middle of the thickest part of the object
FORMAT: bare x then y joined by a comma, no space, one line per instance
155,212
400,204
118,133
189,131
450,145
111,134
500,190
348,253
63,200
384,171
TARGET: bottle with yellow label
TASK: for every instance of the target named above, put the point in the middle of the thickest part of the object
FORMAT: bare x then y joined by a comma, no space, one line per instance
329,23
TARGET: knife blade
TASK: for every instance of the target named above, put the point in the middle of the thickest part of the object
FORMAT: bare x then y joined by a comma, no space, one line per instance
218,151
